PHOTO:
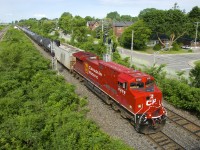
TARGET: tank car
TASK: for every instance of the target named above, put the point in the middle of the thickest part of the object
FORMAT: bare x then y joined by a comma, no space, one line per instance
46,43
132,92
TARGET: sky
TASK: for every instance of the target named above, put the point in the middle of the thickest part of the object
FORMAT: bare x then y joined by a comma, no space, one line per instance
11,10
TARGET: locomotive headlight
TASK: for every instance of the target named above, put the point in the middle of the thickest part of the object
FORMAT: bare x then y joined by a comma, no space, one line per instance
139,106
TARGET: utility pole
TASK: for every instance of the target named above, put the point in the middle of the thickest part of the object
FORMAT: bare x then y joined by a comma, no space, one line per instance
196,33
132,40
102,28
131,48
53,60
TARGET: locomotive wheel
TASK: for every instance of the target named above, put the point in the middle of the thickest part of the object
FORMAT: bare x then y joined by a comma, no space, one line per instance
74,74
123,113
137,126
77,76
115,106
107,100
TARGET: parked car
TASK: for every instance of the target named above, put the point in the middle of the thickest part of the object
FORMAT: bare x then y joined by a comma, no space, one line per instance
186,47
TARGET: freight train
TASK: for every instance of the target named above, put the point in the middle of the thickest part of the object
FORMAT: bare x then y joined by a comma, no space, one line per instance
131,92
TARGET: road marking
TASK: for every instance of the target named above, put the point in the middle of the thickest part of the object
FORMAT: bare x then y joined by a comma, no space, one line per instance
186,68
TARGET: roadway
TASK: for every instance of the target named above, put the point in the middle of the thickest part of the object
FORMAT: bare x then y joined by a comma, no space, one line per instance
174,62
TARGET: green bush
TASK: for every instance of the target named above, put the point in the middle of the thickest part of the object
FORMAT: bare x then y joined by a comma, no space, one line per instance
176,47
177,92
38,109
157,47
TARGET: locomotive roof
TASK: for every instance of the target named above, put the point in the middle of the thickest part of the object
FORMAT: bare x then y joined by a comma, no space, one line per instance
116,67
124,70
82,55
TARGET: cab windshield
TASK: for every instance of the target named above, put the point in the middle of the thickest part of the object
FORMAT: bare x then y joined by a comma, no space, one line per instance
141,86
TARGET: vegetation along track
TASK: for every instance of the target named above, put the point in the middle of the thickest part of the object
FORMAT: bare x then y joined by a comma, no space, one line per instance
186,124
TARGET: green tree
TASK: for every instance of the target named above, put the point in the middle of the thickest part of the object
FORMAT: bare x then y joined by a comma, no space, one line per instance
194,16
144,12
65,22
88,18
48,27
141,35
113,15
172,23
126,18
79,29
195,75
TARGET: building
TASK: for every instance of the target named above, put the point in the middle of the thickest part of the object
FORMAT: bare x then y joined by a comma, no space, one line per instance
120,26
93,24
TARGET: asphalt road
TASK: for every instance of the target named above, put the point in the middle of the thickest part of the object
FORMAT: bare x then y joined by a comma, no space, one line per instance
174,62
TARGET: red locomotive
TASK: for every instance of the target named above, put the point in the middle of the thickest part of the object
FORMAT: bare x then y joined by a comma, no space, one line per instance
132,92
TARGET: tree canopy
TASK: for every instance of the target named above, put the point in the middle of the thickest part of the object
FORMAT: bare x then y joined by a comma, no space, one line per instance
172,23
141,33
65,22
113,15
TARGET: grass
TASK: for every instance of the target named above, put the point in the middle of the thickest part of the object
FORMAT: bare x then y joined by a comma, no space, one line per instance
150,50
1,27
197,62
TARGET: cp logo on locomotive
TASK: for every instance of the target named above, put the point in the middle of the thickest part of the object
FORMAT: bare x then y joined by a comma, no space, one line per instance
86,68
151,101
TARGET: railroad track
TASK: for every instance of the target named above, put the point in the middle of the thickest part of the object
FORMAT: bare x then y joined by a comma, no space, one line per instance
2,32
164,142
184,123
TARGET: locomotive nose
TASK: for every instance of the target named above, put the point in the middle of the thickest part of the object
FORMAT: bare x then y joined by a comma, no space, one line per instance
152,125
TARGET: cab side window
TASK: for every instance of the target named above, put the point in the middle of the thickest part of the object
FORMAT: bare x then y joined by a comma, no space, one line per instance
122,85
135,85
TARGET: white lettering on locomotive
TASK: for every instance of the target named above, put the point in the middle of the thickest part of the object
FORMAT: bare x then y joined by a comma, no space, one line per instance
95,71
92,74
150,102
121,91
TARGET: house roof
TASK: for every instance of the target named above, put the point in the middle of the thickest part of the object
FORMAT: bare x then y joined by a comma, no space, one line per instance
122,23
91,23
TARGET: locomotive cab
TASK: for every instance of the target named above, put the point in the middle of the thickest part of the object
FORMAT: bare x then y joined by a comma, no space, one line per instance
150,115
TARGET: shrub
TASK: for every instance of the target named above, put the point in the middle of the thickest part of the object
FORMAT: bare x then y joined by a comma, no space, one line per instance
157,47
176,47
38,109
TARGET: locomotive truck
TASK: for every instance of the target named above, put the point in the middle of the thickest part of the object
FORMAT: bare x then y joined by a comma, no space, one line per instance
129,91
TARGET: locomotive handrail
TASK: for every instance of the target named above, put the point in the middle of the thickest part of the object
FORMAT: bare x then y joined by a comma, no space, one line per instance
138,112
143,114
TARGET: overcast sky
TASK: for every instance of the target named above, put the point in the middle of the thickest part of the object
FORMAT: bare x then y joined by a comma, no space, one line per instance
11,10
